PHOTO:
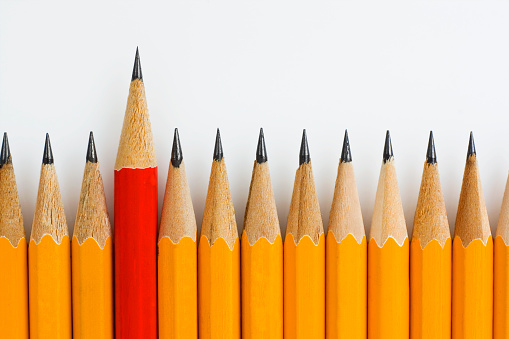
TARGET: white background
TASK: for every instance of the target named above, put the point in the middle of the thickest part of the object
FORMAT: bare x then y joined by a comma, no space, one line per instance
407,66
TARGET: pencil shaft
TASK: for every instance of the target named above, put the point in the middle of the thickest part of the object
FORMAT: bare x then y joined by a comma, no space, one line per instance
178,298
388,290
13,289
346,287
304,288
501,289
92,289
50,288
135,253
262,288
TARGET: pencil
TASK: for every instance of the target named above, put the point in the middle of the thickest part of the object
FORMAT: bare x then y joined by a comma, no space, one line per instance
501,272
49,259
177,257
219,258
388,258
346,257
92,257
304,257
472,255
261,256
136,219
13,254
430,258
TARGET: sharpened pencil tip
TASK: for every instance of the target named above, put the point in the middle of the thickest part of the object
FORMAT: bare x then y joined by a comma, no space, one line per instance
91,152
431,156
304,156
47,157
137,67
261,151
218,148
346,154
388,154
176,150
471,146
5,153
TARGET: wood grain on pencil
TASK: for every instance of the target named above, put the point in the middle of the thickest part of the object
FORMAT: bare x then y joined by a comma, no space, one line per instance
304,257
92,257
13,254
430,258
177,255
346,257
49,259
261,256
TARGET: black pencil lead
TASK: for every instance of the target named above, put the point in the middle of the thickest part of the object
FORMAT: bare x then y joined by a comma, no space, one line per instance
388,148
261,151
218,148
91,152
431,155
176,150
304,156
5,153
346,154
47,157
471,146
137,67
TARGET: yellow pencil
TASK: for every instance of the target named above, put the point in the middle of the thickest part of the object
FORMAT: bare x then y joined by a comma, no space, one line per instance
501,272
13,254
219,258
49,259
472,254
261,256
346,257
177,257
388,258
430,258
92,257
304,257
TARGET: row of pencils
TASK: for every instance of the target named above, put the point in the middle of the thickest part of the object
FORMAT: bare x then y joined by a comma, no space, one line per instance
159,281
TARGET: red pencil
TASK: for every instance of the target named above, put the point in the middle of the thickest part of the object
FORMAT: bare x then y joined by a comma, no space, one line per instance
136,220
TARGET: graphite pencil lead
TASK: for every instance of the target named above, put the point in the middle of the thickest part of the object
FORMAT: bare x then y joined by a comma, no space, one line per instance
137,67
471,146
431,155
304,156
218,148
91,152
261,151
346,154
47,157
5,153
388,148
176,150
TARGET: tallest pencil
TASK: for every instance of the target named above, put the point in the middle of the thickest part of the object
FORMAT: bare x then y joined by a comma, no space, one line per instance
136,219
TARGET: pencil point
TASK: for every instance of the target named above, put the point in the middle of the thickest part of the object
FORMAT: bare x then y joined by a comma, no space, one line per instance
176,150
304,156
5,153
431,155
346,155
137,67
388,148
471,146
218,148
261,151
47,157
91,152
